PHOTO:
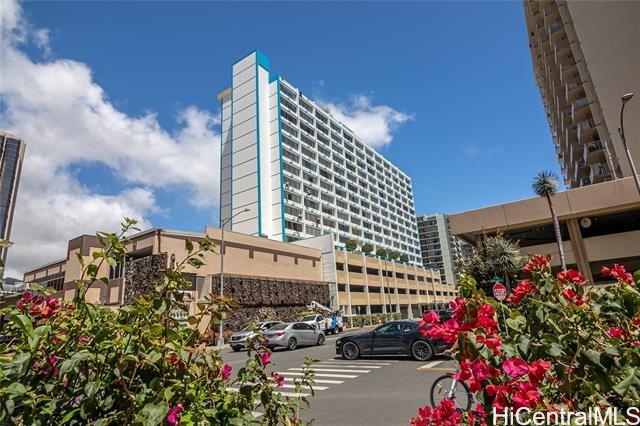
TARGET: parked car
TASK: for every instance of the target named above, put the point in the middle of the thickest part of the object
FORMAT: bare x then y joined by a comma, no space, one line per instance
393,338
316,319
239,338
292,335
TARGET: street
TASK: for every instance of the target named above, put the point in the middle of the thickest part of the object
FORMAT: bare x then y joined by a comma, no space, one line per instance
383,390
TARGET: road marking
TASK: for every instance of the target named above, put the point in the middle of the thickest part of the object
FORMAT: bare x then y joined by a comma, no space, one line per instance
293,386
335,370
376,361
431,364
322,381
293,394
340,364
337,376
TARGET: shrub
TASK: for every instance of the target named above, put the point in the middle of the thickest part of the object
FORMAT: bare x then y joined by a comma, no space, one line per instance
404,258
367,248
77,363
567,346
393,255
351,245
381,252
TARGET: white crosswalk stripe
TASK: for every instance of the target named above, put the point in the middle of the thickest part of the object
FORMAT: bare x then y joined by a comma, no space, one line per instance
293,386
291,394
432,364
335,370
321,381
339,376
334,364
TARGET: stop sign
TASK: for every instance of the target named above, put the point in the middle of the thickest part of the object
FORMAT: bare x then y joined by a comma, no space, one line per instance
499,291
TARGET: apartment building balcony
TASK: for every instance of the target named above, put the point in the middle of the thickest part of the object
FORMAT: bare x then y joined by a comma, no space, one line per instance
587,129
592,150
599,173
567,67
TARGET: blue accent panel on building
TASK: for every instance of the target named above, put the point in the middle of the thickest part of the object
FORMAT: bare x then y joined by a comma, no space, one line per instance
258,149
262,60
284,237
274,77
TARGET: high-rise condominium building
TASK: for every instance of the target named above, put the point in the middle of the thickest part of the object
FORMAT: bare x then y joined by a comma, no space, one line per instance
585,57
302,173
11,155
441,250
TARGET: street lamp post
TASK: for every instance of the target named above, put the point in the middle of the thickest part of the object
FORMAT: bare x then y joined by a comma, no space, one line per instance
222,225
626,98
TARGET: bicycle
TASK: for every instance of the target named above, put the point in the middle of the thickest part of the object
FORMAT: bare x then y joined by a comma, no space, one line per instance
447,387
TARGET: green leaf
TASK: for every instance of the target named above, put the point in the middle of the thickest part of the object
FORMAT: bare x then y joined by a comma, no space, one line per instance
188,245
593,357
71,363
153,414
25,324
630,384
16,389
91,388
517,323
36,336
555,350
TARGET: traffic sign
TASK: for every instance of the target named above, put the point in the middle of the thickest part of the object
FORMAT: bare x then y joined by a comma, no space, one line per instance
499,291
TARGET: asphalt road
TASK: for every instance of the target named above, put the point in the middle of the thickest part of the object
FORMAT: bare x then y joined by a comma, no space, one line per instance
369,391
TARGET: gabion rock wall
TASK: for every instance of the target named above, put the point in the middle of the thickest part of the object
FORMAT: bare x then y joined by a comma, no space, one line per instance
286,297
141,274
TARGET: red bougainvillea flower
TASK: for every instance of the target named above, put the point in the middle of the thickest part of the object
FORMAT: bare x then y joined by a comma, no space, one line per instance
521,291
538,370
265,357
572,297
173,416
636,321
39,307
279,379
526,395
176,362
537,263
616,333
431,317
571,276
493,343
447,331
515,367
27,298
226,371
618,272
444,414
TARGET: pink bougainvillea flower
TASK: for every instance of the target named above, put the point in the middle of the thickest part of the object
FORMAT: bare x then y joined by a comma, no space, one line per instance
226,371
173,416
279,378
431,317
618,272
537,263
447,331
616,333
538,370
265,358
571,276
515,367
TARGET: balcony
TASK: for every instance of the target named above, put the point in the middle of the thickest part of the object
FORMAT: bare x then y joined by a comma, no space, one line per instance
599,172
592,149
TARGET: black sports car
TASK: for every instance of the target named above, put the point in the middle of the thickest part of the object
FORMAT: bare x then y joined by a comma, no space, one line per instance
393,338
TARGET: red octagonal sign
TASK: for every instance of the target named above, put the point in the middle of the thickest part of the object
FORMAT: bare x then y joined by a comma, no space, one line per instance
499,291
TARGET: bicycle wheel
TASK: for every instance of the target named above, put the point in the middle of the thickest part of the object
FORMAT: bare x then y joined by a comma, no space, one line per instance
446,387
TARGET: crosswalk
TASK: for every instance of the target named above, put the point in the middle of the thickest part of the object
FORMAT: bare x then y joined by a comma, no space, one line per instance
437,365
327,373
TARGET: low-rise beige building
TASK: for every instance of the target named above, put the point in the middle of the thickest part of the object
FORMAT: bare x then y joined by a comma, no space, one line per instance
600,226
352,282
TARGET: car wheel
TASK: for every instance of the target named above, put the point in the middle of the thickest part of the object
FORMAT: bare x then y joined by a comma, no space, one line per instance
293,343
321,339
350,351
421,351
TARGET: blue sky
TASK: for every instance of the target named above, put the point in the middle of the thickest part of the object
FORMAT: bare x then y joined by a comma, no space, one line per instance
462,71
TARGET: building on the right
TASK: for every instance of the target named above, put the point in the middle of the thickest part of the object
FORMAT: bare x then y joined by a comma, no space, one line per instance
586,56
441,250
599,224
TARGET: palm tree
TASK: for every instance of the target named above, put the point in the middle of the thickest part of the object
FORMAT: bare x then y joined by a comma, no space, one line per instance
546,185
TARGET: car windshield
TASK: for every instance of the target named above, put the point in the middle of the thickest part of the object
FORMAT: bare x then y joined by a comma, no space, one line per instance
309,318
279,326
249,327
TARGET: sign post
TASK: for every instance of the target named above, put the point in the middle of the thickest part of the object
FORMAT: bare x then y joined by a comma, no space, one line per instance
500,293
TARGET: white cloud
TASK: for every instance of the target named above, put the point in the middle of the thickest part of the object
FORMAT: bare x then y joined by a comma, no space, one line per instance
373,123
67,120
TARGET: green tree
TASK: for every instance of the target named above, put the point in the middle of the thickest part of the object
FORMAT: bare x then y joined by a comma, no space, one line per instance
499,257
393,255
351,245
381,252
404,257
366,248
545,185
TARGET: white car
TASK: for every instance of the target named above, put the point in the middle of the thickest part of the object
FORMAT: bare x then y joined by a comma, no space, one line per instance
315,319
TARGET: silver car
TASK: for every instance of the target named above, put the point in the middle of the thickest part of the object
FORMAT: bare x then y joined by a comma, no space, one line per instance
239,339
292,335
